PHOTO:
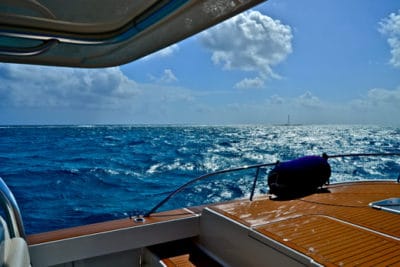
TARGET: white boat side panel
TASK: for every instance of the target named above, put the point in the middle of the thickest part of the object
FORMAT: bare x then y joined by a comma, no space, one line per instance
131,258
101,244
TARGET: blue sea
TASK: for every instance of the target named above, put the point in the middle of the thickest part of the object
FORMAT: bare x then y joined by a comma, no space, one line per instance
65,176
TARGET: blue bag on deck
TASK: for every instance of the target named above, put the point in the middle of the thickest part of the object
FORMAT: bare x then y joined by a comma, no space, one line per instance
299,177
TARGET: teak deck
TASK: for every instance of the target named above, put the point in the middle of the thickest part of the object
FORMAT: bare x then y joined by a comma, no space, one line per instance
335,228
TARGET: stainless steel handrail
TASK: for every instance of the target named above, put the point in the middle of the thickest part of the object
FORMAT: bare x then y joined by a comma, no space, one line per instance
12,212
257,167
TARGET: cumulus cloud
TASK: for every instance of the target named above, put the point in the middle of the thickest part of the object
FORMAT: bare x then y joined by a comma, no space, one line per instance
390,27
39,86
308,100
276,100
35,94
379,98
385,97
249,41
38,94
247,83
167,77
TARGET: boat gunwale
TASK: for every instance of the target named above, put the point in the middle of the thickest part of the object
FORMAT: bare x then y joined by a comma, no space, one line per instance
108,226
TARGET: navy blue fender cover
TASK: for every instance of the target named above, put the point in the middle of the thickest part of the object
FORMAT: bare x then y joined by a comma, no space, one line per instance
299,176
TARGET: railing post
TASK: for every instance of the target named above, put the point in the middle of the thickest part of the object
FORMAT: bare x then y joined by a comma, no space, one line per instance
253,188
14,219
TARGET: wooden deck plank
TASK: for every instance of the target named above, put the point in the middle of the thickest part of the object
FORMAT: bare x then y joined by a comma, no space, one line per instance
356,259
331,244
359,257
307,237
335,248
334,228
385,259
369,257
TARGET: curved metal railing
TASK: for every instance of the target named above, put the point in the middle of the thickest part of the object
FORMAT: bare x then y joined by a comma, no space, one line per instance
12,212
258,167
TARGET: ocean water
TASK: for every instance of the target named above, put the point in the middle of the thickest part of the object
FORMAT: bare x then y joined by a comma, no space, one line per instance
64,176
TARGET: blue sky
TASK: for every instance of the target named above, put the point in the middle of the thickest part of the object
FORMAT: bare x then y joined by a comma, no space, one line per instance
330,61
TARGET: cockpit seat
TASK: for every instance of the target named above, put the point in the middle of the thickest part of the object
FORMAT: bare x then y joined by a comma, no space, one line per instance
13,251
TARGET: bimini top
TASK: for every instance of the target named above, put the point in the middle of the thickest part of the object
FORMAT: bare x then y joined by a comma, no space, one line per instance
102,33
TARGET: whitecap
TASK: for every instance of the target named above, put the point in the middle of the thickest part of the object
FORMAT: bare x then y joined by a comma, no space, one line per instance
226,194
154,168
112,172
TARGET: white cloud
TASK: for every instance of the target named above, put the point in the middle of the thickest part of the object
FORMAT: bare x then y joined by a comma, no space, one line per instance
276,100
39,86
35,94
46,87
249,41
308,100
168,76
390,26
379,98
385,97
374,108
247,83
38,94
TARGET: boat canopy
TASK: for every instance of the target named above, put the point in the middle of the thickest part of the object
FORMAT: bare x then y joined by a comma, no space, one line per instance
103,33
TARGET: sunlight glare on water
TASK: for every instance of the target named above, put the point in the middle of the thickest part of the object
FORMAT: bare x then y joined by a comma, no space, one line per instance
81,175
